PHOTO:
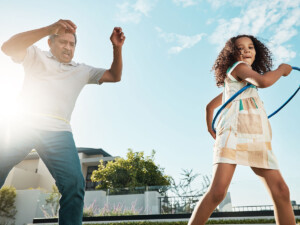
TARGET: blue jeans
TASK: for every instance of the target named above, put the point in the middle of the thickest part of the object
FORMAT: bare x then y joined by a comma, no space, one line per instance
58,151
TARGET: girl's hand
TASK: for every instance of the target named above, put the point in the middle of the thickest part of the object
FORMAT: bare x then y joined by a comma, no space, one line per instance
212,133
285,68
215,103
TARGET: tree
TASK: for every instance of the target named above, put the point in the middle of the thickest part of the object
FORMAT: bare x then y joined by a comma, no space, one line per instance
185,194
53,201
186,186
7,202
135,171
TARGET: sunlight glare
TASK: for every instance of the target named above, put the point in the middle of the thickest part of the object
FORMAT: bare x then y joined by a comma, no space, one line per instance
11,77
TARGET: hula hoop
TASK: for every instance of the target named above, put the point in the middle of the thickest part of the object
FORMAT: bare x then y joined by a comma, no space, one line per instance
243,89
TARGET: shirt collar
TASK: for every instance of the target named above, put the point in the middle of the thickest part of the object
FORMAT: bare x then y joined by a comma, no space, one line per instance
50,55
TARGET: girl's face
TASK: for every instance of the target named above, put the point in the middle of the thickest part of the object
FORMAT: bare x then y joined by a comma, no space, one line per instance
246,49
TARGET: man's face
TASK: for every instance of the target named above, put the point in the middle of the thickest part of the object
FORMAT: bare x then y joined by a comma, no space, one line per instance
63,47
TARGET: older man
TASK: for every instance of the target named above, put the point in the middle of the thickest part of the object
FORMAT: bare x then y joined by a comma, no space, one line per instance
52,84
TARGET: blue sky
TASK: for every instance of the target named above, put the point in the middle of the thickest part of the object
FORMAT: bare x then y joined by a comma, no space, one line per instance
160,103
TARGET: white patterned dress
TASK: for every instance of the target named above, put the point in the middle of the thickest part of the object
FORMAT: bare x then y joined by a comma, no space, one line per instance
243,131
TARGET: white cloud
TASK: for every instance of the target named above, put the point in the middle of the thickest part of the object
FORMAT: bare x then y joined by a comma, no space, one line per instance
276,19
210,21
214,3
218,3
133,13
181,41
144,6
282,53
126,14
186,3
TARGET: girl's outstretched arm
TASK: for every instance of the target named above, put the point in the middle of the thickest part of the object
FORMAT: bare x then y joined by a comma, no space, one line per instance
245,72
211,106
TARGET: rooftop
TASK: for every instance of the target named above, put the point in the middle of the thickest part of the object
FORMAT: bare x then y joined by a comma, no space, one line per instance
88,151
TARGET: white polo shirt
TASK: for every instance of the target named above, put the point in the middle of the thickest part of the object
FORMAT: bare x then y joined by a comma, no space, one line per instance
51,88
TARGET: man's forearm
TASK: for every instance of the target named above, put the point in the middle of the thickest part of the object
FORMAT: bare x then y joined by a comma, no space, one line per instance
117,64
20,42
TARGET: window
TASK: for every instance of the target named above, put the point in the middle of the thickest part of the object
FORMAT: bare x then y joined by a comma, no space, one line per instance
89,184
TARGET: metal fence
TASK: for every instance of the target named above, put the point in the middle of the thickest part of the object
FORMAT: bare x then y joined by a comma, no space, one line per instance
259,208
186,204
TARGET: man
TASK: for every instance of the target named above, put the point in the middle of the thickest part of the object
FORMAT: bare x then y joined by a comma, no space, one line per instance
52,84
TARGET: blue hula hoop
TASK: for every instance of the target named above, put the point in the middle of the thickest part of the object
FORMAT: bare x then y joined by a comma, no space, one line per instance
243,89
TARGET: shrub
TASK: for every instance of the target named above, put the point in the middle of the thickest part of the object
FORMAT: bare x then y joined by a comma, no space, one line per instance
7,205
7,202
107,210
52,201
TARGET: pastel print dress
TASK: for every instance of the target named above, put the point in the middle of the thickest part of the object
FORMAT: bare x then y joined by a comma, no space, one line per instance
243,132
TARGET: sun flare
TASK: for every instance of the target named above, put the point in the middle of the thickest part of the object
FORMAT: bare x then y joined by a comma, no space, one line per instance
10,87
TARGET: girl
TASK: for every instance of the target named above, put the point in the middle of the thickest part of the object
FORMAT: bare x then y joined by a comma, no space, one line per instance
243,135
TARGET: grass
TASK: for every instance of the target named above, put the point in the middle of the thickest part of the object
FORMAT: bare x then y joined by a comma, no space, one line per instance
228,221
243,221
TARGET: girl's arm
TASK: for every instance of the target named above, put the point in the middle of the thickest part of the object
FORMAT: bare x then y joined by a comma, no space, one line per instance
215,103
245,72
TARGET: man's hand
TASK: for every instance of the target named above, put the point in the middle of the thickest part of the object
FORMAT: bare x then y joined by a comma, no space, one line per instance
117,37
62,27
115,72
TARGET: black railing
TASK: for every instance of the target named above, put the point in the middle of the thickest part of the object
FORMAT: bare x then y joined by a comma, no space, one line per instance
186,204
259,208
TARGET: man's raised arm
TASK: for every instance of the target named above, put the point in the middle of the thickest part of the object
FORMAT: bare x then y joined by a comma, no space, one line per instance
115,72
16,46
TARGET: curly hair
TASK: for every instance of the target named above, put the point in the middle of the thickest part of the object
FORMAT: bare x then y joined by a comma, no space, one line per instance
229,54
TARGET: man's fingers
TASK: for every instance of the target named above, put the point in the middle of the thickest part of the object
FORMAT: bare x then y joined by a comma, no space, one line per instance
67,25
72,24
122,36
118,29
117,37
62,24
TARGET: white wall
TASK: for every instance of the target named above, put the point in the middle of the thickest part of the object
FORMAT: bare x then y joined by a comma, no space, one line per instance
33,173
26,204
30,202
46,181
29,165
147,203
22,179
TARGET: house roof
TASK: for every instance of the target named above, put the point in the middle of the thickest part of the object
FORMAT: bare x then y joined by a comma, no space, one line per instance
93,151
88,151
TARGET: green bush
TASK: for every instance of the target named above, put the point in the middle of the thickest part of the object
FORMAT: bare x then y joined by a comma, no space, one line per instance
137,170
7,205
7,202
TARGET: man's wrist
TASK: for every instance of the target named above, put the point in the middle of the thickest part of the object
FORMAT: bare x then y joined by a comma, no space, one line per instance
117,47
46,31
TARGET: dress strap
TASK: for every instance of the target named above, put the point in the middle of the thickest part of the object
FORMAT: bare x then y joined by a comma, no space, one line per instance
230,69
